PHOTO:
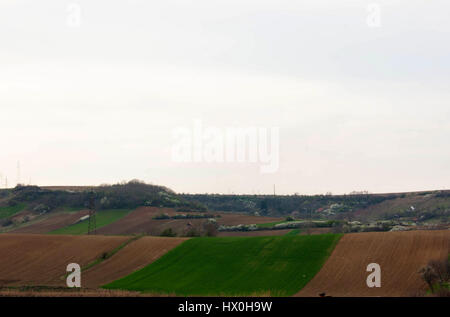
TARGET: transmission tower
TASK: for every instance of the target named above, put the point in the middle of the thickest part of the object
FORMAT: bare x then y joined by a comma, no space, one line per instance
92,226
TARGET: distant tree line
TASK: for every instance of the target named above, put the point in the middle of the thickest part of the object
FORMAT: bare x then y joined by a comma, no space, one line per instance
131,194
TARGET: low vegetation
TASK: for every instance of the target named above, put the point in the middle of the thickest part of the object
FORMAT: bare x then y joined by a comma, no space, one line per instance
9,211
437,276
419,207
285,205
126,195
163,216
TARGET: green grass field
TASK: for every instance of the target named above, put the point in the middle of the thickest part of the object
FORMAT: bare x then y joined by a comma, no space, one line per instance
6,212
103,217
275,266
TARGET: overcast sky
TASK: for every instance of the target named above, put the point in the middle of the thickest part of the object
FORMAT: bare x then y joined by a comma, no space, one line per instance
91,92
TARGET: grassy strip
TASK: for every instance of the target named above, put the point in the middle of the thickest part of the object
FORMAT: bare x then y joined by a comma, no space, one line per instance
105,255
6,212
293,232
109,254
230,266
270,224
103,217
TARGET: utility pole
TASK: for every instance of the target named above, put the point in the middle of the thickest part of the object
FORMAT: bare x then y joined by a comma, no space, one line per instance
274,190
310,221
92,225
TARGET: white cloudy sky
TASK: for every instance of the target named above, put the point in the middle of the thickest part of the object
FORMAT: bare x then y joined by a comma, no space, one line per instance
358,108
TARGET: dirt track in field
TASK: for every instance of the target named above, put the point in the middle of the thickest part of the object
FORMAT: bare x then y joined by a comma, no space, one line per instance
53,222
132,257
29,259
400,254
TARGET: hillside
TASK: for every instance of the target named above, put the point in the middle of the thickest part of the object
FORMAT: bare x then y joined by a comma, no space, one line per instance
400,255
276,266
132,208
431,206
25,206
42,259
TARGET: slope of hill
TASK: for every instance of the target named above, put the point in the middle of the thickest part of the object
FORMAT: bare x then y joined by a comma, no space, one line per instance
131,258
279,266
142,221
52,222
418,206
41,260
41,202
102,219
400,255
374,212
28,259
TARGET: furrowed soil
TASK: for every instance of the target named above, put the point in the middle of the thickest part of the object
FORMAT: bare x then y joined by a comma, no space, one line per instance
34,260
132,257
400,255
53,222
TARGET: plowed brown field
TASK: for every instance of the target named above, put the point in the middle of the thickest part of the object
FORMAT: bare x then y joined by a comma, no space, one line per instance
132,257
53,222
315,231
400,255
141,221
29,259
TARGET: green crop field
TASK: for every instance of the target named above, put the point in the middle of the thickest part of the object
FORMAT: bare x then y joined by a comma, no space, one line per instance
275,266
103,218
9,211
270,224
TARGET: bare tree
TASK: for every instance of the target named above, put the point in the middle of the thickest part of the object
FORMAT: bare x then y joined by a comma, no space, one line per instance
437,274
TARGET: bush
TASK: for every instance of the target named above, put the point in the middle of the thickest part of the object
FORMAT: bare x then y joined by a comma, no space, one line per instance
192,233
161,216
211,228
6,222
240,227
437,275
41,208
168,233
